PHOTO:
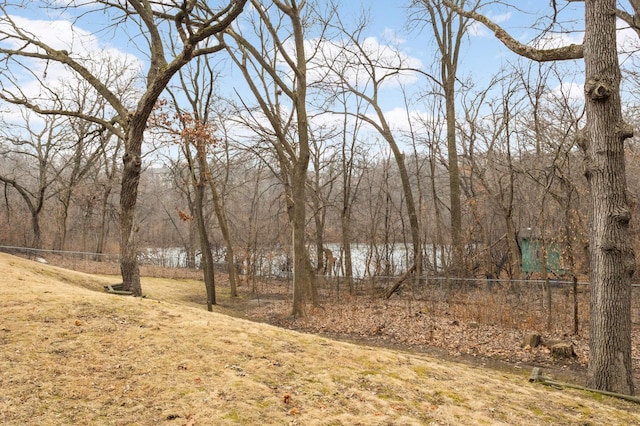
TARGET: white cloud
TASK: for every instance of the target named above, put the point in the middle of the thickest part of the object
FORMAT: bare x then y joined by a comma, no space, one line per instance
58,34
567,90
417,121
501,17
37,77
476,29
391,36
553,41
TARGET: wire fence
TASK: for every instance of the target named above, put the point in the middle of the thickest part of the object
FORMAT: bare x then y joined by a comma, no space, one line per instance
502,301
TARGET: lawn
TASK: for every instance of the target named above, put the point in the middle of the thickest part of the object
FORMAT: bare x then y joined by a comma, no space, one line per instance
72,354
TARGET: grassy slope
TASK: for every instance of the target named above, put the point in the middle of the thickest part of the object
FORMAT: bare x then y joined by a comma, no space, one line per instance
72,354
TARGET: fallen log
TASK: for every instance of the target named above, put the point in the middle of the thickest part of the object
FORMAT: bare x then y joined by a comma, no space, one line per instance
117,289
538,377
397,284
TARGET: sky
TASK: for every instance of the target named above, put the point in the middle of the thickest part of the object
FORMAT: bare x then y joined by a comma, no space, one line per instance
482,55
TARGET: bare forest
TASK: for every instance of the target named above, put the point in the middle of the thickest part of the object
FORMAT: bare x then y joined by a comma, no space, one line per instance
252,140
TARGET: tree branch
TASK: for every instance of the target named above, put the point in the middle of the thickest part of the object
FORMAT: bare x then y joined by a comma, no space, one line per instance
572,51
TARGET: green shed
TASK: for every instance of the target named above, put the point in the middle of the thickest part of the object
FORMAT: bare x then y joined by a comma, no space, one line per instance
532,256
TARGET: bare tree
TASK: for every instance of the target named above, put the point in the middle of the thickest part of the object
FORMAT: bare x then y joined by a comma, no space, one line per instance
353,65
194,22
602,140
89,141
197,134
321,186
351,157
41,143
197,85
282,98
449,30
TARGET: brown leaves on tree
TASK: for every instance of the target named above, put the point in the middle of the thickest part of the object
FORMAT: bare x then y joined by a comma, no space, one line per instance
185,128
184,216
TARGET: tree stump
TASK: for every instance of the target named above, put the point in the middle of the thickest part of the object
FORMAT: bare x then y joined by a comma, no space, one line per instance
532,340
562,350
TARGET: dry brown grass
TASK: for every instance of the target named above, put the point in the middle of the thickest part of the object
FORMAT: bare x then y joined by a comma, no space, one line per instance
72,354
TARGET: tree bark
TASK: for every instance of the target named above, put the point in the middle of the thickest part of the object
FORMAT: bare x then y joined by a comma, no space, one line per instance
303,277
346,244
612,256
102,233
454,172
205,245
128,229
226,235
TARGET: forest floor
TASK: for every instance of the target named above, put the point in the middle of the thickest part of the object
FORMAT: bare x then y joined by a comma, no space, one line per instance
72,354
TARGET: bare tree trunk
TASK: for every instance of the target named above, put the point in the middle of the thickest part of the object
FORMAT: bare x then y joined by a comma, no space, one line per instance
226,235
205,245
408,193
63,214
128,228
102,232
346,245
612,257
507,204
454,175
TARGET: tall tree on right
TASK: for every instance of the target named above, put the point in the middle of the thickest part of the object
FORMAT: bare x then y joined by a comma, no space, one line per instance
602,140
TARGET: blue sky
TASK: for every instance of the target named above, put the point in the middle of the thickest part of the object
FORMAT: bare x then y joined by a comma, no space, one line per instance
482,54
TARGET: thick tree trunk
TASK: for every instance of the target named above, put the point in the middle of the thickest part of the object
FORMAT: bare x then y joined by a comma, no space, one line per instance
612,257
128,229
37,232
304,287
302,270
61,233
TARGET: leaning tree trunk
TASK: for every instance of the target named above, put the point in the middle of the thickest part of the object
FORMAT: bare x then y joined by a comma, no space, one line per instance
408,193
226,235
612,257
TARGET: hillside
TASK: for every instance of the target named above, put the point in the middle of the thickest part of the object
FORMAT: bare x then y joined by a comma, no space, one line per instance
72,354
